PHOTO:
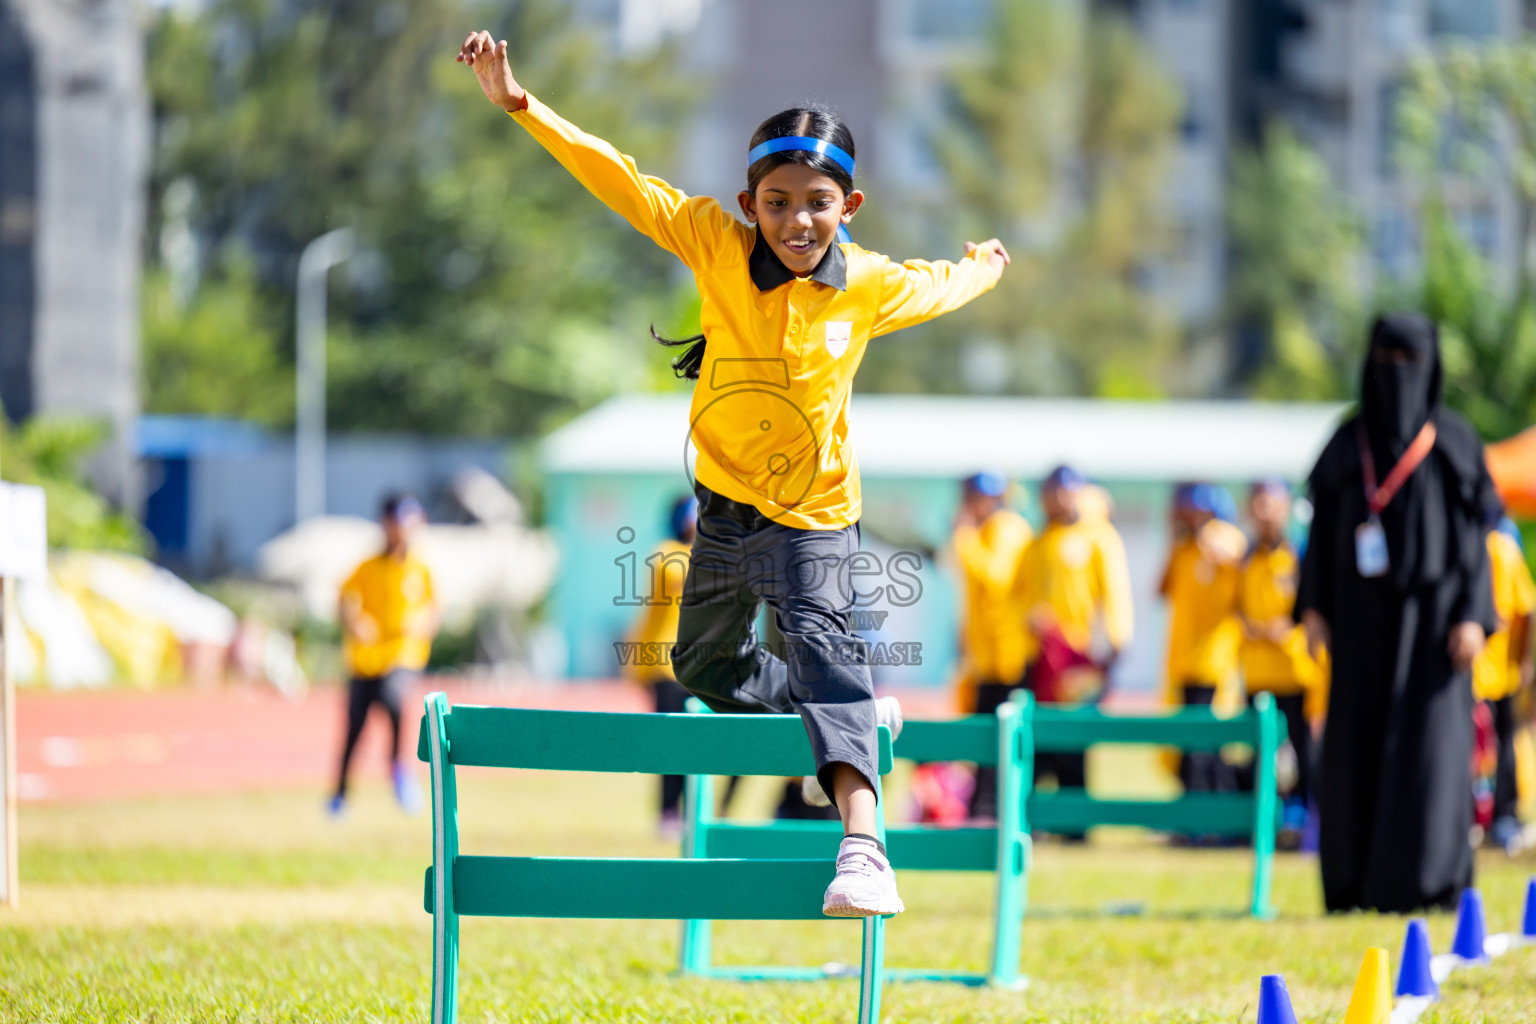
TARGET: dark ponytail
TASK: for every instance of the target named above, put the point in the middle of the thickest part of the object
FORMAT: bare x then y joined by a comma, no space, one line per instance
810,122
686,366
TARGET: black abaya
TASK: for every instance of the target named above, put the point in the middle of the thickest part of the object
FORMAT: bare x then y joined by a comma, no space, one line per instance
1395,789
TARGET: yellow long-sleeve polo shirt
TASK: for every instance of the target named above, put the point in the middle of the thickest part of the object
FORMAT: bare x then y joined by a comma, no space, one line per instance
1495,674
1204,633
656,630
1266,593
1074,578
996,642
770,410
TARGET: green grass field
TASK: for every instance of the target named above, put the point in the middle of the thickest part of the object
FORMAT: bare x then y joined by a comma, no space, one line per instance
257,908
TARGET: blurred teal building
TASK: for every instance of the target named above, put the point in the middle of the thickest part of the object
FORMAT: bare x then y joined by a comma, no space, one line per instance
613,473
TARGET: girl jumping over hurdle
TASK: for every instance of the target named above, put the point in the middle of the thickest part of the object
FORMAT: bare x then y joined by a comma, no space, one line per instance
788,307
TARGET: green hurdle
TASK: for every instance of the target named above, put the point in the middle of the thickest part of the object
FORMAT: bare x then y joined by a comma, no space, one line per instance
762,889
1003,740
1252,815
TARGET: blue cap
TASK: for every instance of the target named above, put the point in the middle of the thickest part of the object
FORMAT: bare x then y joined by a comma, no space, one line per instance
1224,504
400,507
1065,478
1272,485
685,516
1209,498
988,483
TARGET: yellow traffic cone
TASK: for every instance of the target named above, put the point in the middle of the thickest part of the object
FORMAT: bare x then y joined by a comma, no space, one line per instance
1372,1001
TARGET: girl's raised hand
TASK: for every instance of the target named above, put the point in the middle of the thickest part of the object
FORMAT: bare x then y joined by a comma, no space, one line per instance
488,59
997,256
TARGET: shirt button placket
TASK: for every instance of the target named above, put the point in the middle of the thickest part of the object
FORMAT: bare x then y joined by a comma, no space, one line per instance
794,317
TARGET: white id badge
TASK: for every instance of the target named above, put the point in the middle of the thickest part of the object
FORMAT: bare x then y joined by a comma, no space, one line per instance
1371,556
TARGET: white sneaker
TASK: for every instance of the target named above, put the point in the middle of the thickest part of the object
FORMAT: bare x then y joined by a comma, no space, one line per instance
865,885
812,793
888,714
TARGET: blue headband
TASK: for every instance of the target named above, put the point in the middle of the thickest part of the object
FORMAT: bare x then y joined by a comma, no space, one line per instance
787,143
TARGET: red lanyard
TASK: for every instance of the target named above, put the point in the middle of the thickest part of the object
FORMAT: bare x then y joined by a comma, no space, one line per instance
1378,498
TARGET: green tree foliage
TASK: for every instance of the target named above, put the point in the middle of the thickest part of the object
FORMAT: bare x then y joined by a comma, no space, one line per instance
1296,269
489,287
47,452
1467,126
1058,141
1466,130
216,356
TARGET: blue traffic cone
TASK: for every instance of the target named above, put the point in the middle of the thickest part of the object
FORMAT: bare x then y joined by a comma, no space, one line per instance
1275,1001
1414,977
1528,925
1470,929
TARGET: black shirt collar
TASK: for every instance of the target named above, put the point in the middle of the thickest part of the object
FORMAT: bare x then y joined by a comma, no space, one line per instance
768,271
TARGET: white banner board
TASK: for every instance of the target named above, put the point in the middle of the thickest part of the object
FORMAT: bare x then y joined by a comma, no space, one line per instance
23,532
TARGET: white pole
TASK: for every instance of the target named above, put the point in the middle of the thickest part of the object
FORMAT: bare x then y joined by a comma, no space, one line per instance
23,555
319,256
9,637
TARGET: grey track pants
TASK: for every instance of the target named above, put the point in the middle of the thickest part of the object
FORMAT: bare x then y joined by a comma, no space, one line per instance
742,559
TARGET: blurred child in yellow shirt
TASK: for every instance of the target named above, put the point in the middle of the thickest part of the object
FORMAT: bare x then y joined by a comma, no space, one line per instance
1501,671
648,660
1274,650
1204,636
1074,588
989,539
388,618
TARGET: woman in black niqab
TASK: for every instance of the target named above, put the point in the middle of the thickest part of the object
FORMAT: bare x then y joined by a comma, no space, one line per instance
1395,786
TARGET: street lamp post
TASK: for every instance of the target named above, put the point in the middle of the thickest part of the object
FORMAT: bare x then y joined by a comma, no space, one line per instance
319,256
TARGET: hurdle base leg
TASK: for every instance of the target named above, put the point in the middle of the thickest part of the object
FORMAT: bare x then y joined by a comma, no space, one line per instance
871,970
695,952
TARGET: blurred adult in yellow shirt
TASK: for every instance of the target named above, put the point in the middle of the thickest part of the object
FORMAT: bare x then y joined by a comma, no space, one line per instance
1274,651
1204,635
989,539
388,618
1075,590
648,658
1501,671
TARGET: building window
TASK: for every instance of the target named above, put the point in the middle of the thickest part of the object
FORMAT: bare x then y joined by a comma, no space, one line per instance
1473,19
1191,121
1480,228
1394,242
1396,22
950,20
1386,134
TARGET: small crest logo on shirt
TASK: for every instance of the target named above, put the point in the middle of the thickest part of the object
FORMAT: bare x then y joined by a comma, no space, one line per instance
839,333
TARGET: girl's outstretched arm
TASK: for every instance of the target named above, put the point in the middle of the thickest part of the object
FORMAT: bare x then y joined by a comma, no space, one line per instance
917,290
692,228
488,60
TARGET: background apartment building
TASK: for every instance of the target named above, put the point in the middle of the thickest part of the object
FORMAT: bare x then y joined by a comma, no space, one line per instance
74,128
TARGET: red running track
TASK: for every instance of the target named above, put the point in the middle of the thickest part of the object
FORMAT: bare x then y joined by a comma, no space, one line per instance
102,745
